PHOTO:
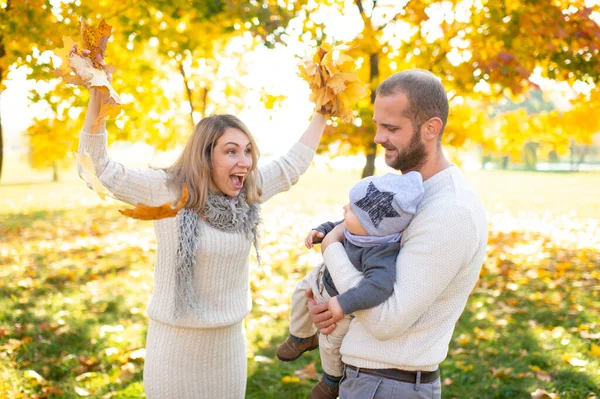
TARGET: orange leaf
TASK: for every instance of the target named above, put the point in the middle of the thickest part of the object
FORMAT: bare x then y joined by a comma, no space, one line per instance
96,39
333,81
89,76
64,53
145,212
310,372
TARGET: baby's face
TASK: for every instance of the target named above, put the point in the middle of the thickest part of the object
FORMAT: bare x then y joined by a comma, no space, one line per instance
352,223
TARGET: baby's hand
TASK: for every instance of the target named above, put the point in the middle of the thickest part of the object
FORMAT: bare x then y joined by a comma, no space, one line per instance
336,310
314,237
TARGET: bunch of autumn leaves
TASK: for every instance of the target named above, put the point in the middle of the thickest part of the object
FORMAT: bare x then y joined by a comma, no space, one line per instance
334,85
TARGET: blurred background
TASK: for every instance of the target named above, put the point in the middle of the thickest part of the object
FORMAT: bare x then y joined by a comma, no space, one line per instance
522,78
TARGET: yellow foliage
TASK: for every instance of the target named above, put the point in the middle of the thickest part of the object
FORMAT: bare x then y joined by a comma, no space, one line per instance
87,70
334,83
95,39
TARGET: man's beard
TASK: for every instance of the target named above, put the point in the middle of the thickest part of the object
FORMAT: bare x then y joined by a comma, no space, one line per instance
412,158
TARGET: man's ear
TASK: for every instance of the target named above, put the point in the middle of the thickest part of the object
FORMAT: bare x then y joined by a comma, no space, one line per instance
430,130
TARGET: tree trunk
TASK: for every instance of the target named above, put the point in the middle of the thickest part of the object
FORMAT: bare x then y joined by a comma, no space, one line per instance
530,157
54,172
504,162
204,100
188,92
369,169
2,54
1,146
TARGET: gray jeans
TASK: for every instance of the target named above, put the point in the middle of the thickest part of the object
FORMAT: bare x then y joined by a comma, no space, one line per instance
357,385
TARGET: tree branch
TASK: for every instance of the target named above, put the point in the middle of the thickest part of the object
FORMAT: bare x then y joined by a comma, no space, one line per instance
360,7
394,19
188,91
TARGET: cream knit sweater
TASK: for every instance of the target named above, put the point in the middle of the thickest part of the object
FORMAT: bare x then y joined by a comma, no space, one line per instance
439,262
221,273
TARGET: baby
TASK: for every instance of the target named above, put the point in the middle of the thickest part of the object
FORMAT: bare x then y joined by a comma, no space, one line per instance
380,209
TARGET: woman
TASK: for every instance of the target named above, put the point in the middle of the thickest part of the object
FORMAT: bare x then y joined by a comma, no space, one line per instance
195,347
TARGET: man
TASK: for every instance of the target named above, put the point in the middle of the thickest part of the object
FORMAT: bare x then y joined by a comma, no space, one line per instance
394,349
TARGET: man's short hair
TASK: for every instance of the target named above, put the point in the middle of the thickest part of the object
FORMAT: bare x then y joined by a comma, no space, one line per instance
425,93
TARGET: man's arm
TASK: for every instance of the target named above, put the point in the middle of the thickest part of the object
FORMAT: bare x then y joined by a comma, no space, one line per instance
434,250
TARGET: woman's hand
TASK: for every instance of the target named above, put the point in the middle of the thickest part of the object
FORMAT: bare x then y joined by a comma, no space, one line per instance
99,59
336,235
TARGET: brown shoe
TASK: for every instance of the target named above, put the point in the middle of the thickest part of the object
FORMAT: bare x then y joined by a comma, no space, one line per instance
290,350
324,391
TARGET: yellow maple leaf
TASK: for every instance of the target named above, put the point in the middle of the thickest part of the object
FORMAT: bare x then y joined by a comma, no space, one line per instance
146,212
89,175
63,53
95,39
334,84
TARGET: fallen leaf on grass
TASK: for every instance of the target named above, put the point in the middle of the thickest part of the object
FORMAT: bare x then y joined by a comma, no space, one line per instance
81,391
310,372
262,359
33,375
137,354
52,390
574,360
127,373
145,212
541,374
502,373
541,394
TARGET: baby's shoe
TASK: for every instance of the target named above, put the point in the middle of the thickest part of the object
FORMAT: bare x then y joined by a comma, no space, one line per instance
324,391
291,350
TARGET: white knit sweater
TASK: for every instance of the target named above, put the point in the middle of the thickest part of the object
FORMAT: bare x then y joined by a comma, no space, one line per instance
221,274
439,262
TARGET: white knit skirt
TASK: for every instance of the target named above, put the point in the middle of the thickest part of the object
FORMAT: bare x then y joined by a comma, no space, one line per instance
189,363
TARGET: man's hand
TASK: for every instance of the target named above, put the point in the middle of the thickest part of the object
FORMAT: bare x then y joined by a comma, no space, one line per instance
337,313
320,314
314,237
336,235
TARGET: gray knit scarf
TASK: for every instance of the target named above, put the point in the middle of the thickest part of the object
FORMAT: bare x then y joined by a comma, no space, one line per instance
231,214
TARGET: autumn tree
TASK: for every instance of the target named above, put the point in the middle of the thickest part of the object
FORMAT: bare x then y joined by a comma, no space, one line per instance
480,50
26,26
154,43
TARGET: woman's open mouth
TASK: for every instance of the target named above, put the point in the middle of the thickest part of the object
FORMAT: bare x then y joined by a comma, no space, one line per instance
237,180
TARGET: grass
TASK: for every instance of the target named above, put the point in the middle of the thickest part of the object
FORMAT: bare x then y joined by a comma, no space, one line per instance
75,277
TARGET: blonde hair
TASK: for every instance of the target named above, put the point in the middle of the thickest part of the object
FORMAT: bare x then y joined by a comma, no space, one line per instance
194,166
